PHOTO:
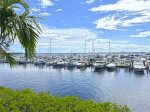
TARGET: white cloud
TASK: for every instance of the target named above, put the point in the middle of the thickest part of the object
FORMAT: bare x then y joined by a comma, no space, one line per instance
124,5
65,40
58,10
45,14
107,23
129,13
46,3
100,40
69,39
34,9
71,33
121,41
132,47
112,22
74,39
142,34
90,1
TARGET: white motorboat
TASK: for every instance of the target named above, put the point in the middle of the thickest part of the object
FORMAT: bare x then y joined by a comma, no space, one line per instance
111,66
147,64
39,62
60,63
81,64
21,61
119,62
99,64
138,66
66,63
127,63
50,63
72,63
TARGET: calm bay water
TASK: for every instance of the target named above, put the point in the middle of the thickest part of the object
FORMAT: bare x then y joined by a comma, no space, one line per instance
121,86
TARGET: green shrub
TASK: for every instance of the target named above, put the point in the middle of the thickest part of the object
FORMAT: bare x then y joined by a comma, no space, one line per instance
28,101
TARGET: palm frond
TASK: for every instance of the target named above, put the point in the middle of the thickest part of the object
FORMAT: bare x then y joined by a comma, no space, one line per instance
14,26
8,57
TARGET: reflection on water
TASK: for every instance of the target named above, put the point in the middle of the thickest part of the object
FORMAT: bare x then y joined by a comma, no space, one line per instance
121,86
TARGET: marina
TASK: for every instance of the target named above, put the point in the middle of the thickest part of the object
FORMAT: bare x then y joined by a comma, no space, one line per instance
74,56
138,62
88,76
120,85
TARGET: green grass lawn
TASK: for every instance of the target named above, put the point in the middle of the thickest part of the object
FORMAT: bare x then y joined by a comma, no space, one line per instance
28,101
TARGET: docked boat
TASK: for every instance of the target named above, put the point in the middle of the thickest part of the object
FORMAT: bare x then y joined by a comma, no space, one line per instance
147,64
22,61
138,66
119,62
111,66
81,64
60,63
49,63
127,63
71,63
99,65
66,63
39,62
54,63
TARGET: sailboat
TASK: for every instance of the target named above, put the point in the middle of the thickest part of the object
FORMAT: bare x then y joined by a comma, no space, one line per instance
50,62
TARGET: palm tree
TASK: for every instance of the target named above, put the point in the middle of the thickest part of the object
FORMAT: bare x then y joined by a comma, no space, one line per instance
16,26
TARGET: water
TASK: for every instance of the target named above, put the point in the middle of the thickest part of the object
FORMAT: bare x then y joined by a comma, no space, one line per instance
121,86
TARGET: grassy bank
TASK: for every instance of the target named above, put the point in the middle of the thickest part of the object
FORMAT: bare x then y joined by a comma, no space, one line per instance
28,101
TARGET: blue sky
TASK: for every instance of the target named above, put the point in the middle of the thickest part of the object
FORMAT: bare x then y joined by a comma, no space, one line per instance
69,23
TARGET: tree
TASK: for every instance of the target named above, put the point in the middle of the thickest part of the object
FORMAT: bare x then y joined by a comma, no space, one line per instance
16,26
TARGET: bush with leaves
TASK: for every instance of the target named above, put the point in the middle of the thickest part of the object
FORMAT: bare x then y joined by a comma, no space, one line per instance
28,101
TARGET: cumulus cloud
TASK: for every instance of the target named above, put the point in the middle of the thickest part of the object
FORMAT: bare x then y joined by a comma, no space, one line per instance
70,39
124,5
121,41
74,39
142,34
46,3
34,9
71,33
58,10
129,13
65,40
45,14
90,1
109,22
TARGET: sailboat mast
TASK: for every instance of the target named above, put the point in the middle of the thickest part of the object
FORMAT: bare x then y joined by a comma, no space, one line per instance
85,48
93,47
109,46
50,48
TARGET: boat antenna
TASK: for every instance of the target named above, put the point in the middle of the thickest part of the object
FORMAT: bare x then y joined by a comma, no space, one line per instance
93,48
